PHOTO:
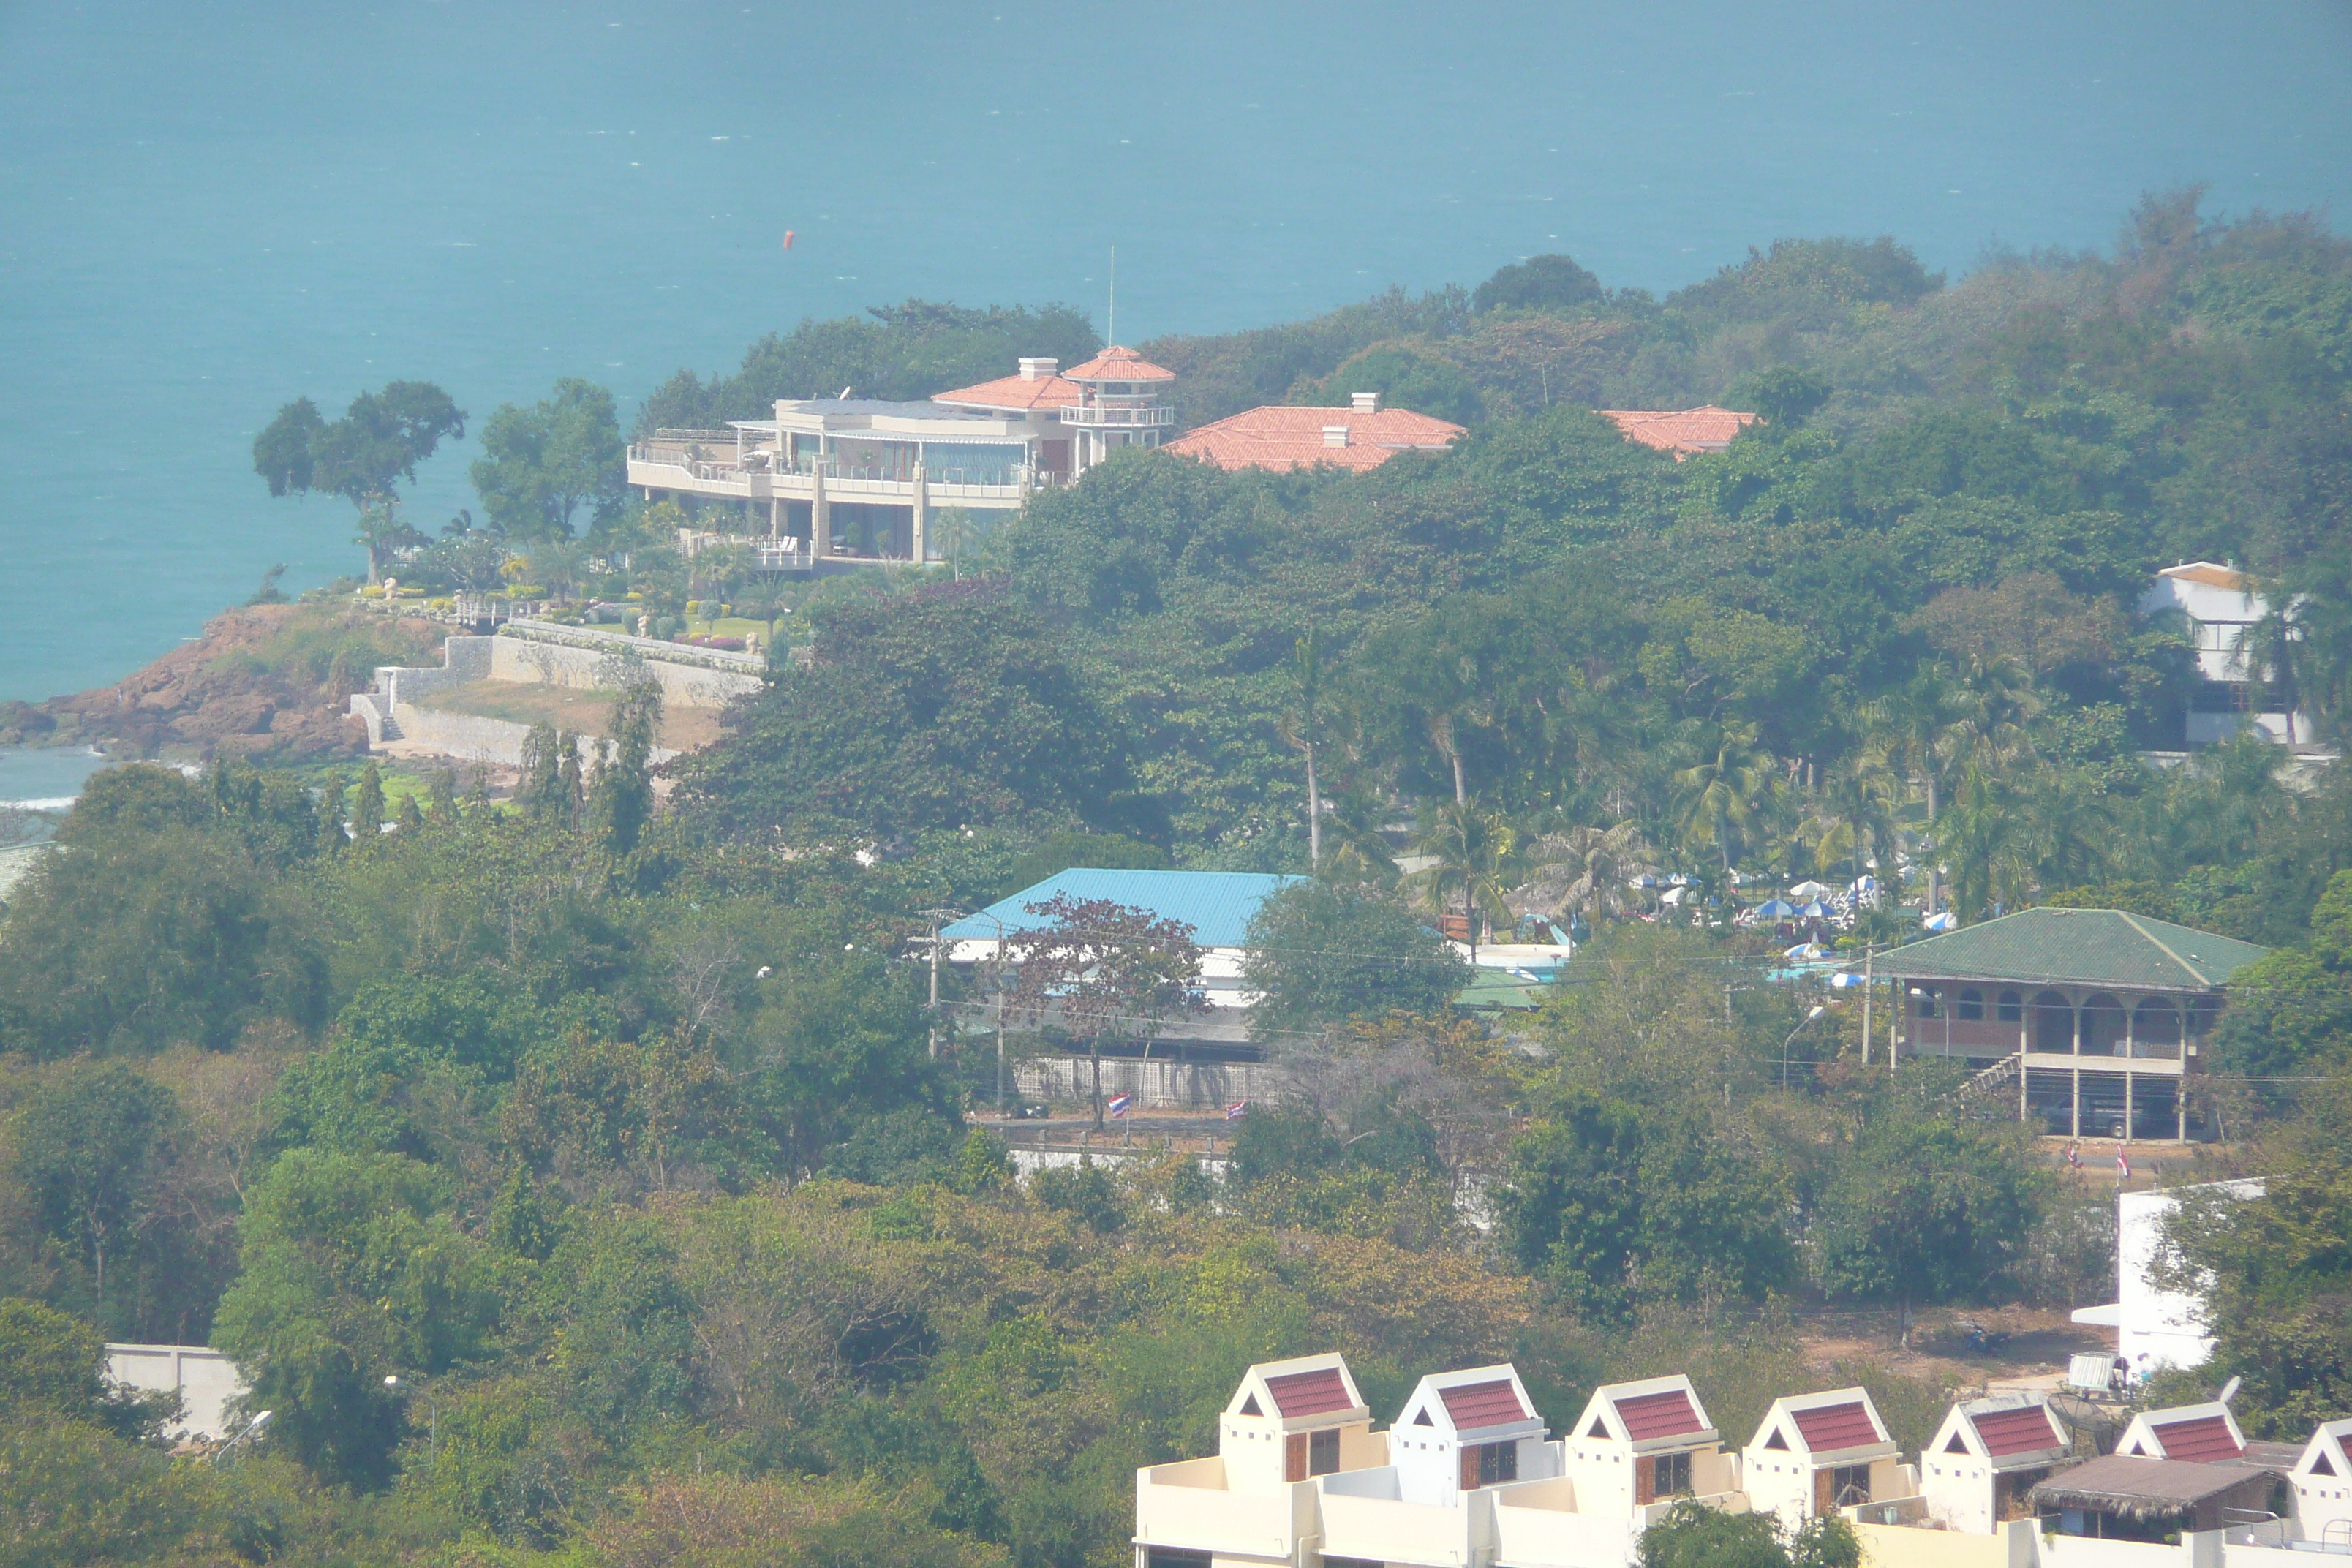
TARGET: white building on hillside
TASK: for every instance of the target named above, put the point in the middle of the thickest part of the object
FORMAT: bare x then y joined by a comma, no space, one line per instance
2155,1327
2222,608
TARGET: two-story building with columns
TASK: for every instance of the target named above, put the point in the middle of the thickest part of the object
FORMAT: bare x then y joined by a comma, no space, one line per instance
2098,1016
850,481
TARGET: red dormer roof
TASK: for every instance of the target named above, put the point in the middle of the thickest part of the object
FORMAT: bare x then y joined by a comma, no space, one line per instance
1666,1414
1482,1404
2201,1440
1116,363
1014,391
1314,1392
2017,1431
1281,436
1828,1428
1681,431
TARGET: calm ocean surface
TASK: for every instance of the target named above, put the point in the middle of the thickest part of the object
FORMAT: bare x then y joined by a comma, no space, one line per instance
207,210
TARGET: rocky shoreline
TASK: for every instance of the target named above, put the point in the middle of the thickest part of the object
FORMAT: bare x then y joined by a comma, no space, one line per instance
266,682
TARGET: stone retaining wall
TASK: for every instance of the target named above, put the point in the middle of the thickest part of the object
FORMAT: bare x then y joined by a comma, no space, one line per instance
1156,1085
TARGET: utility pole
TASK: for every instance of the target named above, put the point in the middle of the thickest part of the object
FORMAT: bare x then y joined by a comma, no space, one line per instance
937,919
1869,992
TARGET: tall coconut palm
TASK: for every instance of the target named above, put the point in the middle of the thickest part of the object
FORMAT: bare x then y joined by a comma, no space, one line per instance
1988,842
1357,849
1851,815
1995,700
1723,800
1472,859
1918,728
2072,825
1584,869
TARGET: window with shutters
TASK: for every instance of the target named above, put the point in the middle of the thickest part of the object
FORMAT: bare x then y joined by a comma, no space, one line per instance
1323,1452
1294,1457
1489,1464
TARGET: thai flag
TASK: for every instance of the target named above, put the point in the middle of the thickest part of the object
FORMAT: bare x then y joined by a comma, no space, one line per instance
1118,1104
1233,1112
2123,1162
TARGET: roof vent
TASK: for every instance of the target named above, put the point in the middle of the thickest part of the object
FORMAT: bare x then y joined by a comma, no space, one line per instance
1334,435
1038,369
1365,402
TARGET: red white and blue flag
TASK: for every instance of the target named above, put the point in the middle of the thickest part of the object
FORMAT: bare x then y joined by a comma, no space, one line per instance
1234,1112
1118,1104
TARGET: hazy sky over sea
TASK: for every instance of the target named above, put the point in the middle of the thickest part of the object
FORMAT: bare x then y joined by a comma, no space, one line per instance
207,210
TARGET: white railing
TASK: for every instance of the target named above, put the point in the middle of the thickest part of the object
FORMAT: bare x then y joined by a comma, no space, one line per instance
1135,413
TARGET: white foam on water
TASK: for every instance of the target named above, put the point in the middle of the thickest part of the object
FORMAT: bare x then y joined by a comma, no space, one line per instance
50,802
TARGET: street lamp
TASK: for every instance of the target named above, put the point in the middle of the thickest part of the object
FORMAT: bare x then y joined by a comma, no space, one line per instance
1800,1028
431,1416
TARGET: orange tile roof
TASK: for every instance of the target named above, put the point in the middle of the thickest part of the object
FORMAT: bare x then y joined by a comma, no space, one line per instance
1014,391
1281,436
1681,431
2208,573
1116,363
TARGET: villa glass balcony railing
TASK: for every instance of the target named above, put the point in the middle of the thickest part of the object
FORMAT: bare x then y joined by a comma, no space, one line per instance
1119,412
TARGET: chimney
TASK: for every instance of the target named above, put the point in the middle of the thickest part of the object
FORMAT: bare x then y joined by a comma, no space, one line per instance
1365,402
1039,369
1334,435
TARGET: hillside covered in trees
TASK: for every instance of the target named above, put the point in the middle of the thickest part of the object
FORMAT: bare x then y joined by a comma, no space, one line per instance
611,1137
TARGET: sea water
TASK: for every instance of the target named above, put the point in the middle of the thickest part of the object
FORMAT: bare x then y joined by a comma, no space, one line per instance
207,210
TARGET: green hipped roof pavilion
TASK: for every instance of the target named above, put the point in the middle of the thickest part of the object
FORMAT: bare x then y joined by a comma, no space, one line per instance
2105,948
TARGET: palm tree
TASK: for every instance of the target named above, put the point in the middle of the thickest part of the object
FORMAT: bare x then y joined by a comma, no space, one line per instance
560,564
1473,857
2072,823
1917,727
1585,869
1360,850
1995,699
1723,798
1851,814
1298,731
1987,841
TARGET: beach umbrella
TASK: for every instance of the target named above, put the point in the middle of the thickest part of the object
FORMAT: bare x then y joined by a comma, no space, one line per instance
1775,909
1805,950
1865,884
1942,920
1816,910
1644,881
1808,890
1678,881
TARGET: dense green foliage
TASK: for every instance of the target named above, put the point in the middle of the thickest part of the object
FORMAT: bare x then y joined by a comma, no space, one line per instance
541,466
1320,953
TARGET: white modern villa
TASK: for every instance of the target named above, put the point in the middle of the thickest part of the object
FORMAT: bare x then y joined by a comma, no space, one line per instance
859,482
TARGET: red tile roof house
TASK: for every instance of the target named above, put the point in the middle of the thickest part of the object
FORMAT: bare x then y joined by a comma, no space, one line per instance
1637,1447
1684,431
1979,1468
1817,1453
1361,436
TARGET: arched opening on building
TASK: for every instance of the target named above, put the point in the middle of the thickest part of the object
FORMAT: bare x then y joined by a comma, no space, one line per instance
1971,1005
2102,1026
2054,1024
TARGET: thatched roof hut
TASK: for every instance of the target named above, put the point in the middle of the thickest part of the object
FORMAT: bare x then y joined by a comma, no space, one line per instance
2141,1494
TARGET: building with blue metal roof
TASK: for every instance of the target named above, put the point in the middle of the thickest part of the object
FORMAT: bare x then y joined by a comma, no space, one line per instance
1217,905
